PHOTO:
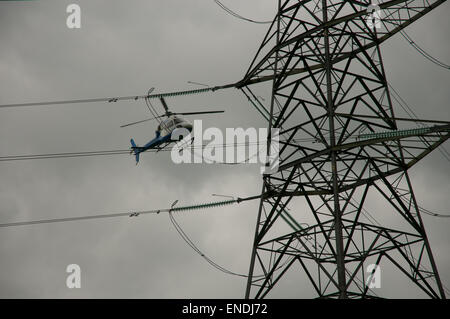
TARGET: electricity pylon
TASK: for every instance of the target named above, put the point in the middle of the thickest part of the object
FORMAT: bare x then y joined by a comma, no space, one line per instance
323,61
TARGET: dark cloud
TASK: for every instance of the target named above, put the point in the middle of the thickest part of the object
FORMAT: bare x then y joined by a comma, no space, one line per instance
123,49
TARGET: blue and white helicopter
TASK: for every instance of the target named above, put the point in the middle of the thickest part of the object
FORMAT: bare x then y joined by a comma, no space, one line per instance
169,128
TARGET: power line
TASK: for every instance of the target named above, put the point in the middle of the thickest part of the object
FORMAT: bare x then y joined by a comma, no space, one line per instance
178,228
120,98
404,105
234,14
130,214
427,211
191,244
410,112
10,158
7,158
423,52
63,155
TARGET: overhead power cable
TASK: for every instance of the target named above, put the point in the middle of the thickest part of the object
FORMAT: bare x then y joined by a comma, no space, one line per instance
410,112
427,211
130,214
171,210
9,158
137,213
423,52
234,14
191,244
121,98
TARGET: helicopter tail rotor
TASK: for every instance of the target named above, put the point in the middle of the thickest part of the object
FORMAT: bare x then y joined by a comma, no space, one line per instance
135,149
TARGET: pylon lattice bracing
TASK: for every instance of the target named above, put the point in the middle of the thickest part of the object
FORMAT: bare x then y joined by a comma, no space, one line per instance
323,60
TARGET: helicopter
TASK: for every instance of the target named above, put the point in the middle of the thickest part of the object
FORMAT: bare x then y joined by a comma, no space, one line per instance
169,128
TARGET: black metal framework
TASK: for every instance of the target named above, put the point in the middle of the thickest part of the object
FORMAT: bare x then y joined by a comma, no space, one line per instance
329,85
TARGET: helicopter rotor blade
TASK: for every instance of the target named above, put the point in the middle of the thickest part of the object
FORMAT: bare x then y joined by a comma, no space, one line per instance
141,121
203,112
170,113
166,108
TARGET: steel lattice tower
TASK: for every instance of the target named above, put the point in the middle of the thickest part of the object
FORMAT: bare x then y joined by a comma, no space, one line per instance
323,61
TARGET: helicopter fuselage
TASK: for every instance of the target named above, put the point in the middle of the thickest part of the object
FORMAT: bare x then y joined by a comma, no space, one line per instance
169,130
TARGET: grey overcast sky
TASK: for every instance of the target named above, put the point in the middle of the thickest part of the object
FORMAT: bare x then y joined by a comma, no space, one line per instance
124,48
